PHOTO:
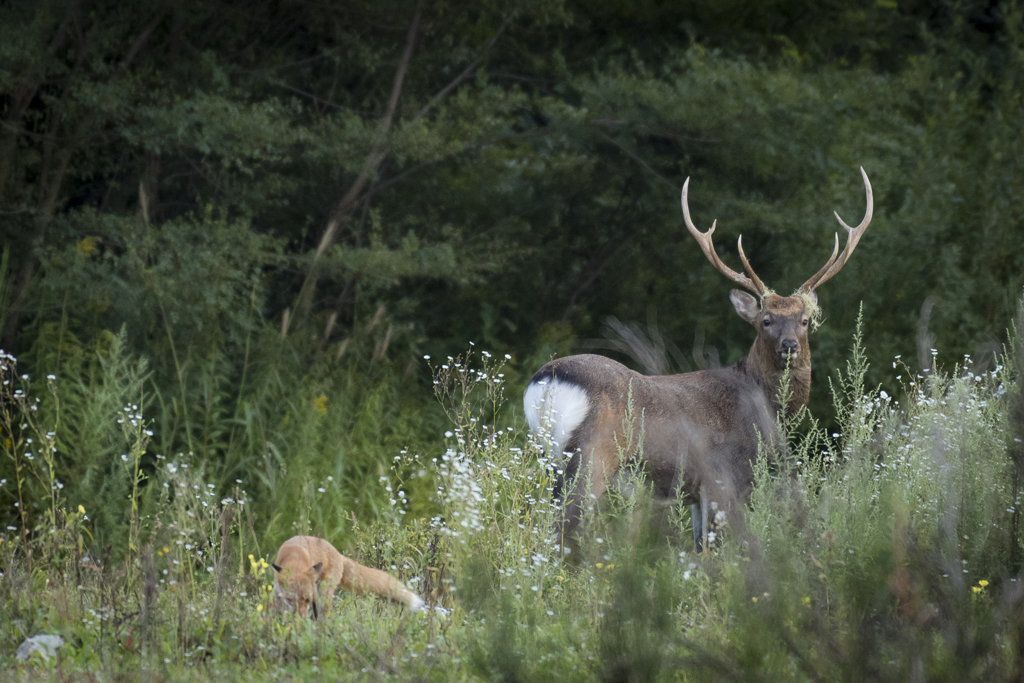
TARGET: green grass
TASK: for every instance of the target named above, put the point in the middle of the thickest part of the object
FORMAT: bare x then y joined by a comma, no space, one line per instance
891,551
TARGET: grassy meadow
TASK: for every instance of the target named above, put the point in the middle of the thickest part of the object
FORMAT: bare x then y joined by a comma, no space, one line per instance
889,551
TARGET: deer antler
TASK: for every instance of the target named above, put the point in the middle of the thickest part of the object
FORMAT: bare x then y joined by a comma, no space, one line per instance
833,266
753,283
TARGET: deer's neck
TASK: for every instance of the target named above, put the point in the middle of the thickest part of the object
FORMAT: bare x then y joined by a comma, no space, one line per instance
760,365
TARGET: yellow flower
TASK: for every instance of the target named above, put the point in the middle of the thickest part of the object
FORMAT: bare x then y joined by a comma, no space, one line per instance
983,583
88,244
320,404
250,557
806,600
81,509
259,608
753,599
166,549
976,589
599,565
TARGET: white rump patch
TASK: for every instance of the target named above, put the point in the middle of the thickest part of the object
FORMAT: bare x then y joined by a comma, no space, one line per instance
554,409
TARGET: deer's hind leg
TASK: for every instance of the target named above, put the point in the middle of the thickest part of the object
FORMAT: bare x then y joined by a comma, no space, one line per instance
700,527
584,481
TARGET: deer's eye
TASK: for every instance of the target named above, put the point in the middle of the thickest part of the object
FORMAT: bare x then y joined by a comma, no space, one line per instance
767,322
805,322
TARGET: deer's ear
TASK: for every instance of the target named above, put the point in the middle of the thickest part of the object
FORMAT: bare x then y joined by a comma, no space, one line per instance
317,567
745,304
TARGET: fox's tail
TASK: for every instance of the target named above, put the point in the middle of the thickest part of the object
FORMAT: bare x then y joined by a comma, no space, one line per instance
358,579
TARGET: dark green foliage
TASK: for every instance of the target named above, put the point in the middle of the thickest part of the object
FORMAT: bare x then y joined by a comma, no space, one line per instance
175,168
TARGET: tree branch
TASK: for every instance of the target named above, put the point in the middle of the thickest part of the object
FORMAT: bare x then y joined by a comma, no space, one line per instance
377,153
461,77
22,97
632,155
342,209
355,195
141,41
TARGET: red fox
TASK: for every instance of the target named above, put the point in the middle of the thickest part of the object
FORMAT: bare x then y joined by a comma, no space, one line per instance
304,561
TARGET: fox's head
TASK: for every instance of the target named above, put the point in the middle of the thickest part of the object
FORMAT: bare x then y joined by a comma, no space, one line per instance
295,587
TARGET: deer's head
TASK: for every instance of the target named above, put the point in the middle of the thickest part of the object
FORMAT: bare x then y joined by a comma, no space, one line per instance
782,322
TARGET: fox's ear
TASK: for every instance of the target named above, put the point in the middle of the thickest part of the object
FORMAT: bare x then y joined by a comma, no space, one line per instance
317,567
276,568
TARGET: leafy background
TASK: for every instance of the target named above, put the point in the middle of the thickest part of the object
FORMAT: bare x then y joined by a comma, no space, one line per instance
255,218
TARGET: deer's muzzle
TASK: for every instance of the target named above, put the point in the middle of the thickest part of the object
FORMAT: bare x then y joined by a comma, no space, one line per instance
789,348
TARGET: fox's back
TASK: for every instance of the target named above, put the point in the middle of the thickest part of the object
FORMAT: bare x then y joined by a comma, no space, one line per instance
302,552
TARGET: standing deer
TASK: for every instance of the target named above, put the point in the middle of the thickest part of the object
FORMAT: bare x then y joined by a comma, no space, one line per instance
697,432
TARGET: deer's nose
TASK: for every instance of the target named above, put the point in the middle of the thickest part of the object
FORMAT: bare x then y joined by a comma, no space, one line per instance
790,347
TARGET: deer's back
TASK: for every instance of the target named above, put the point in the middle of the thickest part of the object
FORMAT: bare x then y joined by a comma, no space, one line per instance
695,426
